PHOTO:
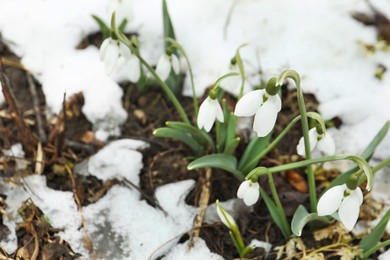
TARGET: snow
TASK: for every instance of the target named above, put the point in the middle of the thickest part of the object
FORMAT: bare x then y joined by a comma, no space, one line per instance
198,251
318,39
118,159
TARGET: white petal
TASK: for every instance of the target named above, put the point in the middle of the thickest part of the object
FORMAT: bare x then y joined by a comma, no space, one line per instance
124,50
245,185
225,217
276,102
358,195
249,103
326,145
207,114
219,112
313,135
111,57
349,210
133,68
175,64
103,48
252,194
163,67
331,200
265,118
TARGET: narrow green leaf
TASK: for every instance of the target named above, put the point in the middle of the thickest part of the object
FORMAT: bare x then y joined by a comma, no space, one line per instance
221,128
122,26
302,217
367,154
167,23
255,147
231,126
231,146
219,160
201,136
183,136
103,27
273,210
376,234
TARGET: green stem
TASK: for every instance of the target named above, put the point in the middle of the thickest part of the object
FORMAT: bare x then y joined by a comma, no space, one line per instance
381,165
194,97
286,227
375,248
163,85
273,144
313,115
241,67
305,131
308,162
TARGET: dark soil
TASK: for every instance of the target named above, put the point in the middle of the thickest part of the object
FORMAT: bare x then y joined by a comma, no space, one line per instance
68,139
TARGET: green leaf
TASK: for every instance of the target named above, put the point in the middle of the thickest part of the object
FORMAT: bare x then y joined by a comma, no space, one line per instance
302,217
200,136
219,160
180,135
231,146
122,26
376,234
103,27
273,210
255,147
367,154
167,23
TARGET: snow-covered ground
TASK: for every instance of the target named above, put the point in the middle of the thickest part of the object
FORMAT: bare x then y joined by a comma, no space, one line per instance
319,39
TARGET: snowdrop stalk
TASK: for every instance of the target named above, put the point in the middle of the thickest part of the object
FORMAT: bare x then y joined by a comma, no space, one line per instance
163,85
176,45
238,60
305,130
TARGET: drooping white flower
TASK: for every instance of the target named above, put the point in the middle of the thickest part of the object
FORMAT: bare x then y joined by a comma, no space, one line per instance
133,68
209,111
265,108
225,217
249,192
165,64
324,142
347,202
123,10
111,53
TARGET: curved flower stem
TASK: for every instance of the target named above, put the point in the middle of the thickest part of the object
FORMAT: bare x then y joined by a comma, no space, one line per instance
313,115
194,97
285,224
241,67
337,157
163,85
305,131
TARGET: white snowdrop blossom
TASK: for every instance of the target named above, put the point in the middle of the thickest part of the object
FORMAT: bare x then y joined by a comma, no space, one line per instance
347,202
225,217
249,191
123,9
116,54
265,107
209,111
324,142
165,64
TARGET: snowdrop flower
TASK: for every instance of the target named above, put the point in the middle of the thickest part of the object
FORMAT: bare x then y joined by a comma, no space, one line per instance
123,9
111,51
265,107
115,53
249,192
165,64
324,142
347,202
209,111
225,217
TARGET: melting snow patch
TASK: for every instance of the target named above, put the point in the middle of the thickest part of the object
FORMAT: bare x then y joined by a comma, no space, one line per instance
119,159
124,227
198,251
